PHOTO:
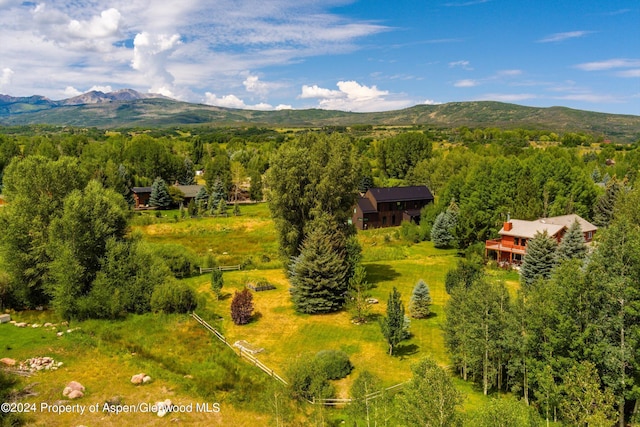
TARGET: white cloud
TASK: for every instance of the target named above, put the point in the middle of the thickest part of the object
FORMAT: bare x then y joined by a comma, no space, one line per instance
104,89
558,37
70,92
105,25
465,65
609,64
431,102
232,101
629,73
466,83
254,85
508,73
319,92
150,56
6,77
281,107
352,96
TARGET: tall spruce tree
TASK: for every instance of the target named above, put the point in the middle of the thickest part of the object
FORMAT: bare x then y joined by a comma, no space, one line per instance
572,245
216,195
392,326
160,197
319,275
420,303
539,259
442,231
186,176
603,209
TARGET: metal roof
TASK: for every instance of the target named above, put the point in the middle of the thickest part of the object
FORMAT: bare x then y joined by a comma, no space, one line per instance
400,194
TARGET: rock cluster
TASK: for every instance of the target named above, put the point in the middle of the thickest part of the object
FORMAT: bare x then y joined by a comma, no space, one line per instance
39,364
141,378
73,390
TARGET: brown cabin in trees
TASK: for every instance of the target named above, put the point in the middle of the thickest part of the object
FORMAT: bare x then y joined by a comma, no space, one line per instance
141,196
388,207
515,234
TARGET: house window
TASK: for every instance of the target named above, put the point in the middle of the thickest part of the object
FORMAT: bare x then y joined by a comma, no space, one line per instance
516,241
589,235
399,206
523,242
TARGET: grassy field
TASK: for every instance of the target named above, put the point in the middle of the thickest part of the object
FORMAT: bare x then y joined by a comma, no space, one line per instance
189,366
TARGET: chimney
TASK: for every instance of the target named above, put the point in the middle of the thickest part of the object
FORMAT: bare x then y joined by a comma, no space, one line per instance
508,226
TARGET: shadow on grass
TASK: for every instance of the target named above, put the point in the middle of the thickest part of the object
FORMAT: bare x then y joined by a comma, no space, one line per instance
255,317
404,350
380,273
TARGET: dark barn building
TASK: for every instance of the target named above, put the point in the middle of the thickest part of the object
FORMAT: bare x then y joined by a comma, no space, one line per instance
388,207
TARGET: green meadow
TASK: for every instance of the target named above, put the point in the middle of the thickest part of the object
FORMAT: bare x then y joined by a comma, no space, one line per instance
189,366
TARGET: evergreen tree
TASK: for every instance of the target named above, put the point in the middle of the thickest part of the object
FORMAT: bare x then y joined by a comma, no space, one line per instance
222,208
186,176
572,244
202,197
217,194
539,259
192,208
217,282
392,326
603,209
442,229
366,182
160,197
420,303
242,307
430,398
319,275
358,305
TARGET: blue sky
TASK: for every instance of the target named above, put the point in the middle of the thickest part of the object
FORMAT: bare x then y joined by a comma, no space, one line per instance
336,54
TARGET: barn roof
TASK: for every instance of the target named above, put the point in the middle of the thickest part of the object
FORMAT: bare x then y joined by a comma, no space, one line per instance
365,205
400,194
190,191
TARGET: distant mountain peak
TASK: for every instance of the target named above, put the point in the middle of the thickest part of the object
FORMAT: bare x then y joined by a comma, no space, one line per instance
98,97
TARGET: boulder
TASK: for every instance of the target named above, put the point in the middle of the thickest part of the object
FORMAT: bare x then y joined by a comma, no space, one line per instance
5,318
74,385
7,361
75,394
21,324
137,379
146,379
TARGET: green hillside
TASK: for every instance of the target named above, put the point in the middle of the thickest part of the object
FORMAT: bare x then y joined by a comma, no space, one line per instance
158,112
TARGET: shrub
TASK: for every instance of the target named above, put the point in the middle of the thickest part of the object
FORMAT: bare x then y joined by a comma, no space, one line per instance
172,297
242,307
180,260
334,364
306,381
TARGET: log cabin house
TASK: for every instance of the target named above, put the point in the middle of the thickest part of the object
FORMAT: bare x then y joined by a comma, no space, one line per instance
511,247
388,207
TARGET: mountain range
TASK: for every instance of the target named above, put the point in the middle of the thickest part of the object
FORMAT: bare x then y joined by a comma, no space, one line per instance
129,108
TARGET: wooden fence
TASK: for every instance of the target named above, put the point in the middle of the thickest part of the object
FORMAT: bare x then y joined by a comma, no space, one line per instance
241,352
251,358
221,268
366,398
